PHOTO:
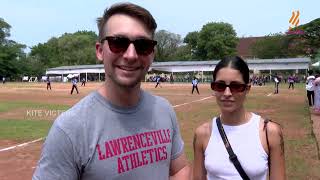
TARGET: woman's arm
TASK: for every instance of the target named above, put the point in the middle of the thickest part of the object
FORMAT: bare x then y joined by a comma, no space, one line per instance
199,171
277,158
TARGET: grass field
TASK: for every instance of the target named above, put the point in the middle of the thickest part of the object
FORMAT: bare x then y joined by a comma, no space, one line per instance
27,111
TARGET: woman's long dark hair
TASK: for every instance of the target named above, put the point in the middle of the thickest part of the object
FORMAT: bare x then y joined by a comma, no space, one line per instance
234,62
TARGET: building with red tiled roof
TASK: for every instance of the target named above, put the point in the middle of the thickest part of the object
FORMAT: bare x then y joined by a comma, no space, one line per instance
243,47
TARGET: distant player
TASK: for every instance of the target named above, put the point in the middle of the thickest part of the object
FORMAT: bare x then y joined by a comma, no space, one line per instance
195,83
276,84
158,79
48,83
83,82
74,85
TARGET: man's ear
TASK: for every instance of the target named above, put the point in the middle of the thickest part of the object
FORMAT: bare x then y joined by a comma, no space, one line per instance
99,51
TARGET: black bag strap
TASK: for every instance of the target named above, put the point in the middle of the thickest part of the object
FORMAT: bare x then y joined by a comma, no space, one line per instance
232,156
266,129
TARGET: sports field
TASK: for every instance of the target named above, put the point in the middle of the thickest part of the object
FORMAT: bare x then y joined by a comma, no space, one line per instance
27,111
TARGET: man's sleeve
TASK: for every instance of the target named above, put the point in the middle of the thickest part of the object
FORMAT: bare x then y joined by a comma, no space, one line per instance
57,160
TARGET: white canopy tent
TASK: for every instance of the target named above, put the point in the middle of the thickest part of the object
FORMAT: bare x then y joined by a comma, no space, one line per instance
191,66
316,64
70,76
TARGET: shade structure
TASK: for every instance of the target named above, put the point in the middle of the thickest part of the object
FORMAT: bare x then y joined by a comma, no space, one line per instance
316,64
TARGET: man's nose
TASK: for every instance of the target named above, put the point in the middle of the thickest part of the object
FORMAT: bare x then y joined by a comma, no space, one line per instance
131,52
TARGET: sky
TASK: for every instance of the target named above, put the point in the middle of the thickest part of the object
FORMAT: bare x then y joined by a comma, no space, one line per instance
36,21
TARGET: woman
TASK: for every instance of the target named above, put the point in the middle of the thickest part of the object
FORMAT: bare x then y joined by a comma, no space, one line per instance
244,130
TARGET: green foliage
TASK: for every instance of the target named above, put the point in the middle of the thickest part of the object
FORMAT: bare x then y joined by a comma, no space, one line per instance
306,42
69,49
182,53
311,36
317,56
168,44
11,53
214,41
272,46
4,30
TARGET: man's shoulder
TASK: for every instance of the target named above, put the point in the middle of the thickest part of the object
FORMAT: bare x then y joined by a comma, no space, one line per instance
78,113
155,97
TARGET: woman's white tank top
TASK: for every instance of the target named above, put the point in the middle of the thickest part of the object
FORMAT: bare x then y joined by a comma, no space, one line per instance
246,144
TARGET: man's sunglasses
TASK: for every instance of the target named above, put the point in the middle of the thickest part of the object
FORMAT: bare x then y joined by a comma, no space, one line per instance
234,87
120,44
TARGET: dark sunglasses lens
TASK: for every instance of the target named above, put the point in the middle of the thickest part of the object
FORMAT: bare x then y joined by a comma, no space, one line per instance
118,44
237,87
220,87
144,46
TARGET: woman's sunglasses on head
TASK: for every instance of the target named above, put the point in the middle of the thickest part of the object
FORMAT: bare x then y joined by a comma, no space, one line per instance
120,44
234,87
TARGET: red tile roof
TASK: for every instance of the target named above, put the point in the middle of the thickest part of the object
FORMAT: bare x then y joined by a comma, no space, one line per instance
243,47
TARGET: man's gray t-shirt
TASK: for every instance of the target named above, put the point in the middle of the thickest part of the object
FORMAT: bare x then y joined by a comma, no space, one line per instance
98,140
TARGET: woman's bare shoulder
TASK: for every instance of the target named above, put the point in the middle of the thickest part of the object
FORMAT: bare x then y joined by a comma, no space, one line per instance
275,133
204,130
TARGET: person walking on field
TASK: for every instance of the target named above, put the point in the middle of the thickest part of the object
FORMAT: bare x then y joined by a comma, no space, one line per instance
237,144
291,80
310,87
48,83
195,83
83,82
74,82
276,84
119,131
158,80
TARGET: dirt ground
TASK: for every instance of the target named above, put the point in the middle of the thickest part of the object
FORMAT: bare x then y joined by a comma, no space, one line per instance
19,163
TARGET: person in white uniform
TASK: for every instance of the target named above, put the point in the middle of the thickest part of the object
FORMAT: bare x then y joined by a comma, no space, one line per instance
258,144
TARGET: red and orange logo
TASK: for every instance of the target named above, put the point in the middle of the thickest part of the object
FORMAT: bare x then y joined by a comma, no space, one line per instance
294,22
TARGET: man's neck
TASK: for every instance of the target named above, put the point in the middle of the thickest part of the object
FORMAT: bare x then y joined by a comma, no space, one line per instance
120,96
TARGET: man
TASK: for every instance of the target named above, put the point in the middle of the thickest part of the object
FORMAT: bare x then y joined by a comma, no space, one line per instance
276,84
74,85
48,83
83,82
158,80
195,85
171,78
120,131
310,87
291,79
3,80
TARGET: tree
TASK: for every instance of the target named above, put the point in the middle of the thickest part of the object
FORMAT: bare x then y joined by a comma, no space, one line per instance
191,40
216,40
182,53
317,56
167,45
311,36
69,49
303,40
11,53
4,30
272,46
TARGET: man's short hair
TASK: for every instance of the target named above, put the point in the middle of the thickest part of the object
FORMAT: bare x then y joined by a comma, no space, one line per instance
129,9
